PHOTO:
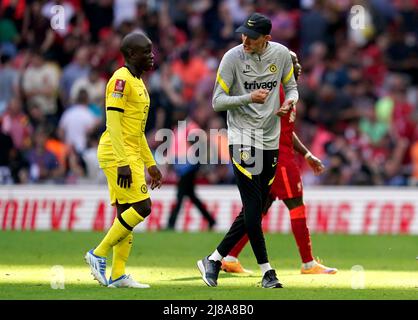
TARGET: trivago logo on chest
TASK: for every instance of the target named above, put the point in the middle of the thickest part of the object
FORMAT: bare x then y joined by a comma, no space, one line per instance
254,85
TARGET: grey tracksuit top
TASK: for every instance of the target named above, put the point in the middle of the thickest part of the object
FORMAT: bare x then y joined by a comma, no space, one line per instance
238,75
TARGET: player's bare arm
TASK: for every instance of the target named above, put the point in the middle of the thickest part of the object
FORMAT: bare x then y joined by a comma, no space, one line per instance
315,163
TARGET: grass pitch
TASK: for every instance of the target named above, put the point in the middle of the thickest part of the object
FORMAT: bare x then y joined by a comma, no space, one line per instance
167,261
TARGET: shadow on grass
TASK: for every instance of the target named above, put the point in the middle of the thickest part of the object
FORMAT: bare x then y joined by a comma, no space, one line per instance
221,275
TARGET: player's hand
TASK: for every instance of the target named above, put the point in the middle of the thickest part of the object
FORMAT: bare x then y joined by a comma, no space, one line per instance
285,107
315,164
156,177
124,177
259,95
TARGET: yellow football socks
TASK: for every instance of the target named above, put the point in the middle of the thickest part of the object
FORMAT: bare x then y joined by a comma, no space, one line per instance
118,231
121,253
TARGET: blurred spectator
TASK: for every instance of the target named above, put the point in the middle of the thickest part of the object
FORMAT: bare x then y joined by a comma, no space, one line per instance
6,144
401,54
94,174
166,95
75,168
36,29
394,110
40,84
284,23
94,85
314,65
393,174
332,108
204,88
37,117
107,53
240,9
9,78
99,14
414,156
373,61
16,124
9,35
222,31
43,165
77,122
58,148
124,10
191,70
335,73
314,27
14,10
78,68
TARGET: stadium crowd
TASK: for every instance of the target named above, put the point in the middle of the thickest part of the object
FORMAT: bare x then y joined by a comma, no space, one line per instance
358,106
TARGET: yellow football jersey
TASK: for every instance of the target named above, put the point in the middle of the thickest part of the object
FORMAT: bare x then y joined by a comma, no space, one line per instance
127,105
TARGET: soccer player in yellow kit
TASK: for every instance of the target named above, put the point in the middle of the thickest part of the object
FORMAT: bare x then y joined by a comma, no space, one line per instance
123,152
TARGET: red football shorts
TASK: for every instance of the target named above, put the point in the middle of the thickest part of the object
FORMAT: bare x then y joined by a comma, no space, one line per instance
287,183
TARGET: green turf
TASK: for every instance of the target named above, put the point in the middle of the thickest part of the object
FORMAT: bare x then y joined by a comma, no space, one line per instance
167,261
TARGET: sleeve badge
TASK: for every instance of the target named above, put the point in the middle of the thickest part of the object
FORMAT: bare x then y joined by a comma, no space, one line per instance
120,85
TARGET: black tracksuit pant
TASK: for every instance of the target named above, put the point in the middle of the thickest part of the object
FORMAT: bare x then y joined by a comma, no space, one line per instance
254,171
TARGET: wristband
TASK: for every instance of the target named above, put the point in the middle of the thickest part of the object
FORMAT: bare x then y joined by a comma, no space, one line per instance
308,154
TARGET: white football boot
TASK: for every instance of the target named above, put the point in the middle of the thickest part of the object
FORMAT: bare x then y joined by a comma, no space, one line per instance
97,266
126,281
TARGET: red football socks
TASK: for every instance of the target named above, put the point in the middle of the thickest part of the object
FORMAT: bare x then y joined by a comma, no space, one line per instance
301,233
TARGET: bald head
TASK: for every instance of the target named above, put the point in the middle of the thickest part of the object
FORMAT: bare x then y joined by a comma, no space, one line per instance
136,48
133,41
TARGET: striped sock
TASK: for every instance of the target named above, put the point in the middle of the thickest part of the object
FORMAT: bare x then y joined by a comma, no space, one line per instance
120,228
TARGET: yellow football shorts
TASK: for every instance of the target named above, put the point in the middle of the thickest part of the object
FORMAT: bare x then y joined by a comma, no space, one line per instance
138,190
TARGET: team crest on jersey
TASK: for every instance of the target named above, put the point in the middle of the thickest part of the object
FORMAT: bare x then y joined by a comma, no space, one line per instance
120,85
144,188
245,155
273,68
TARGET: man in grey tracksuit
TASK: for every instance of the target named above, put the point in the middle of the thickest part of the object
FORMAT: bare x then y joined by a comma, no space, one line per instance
247,86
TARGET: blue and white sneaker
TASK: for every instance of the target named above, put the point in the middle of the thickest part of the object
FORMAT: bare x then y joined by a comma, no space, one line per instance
126,281
97,266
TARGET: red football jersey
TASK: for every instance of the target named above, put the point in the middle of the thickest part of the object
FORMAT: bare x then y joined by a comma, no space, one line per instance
287,126
288,183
